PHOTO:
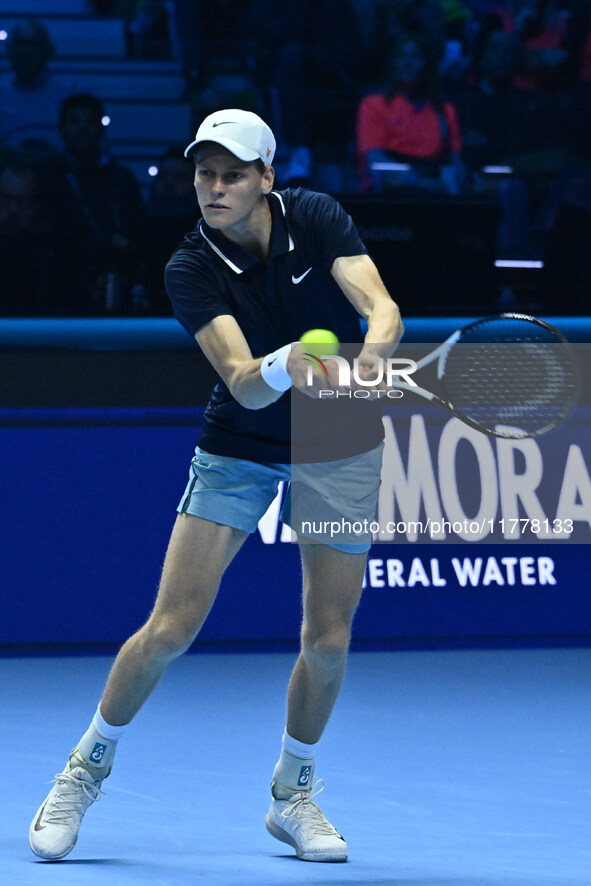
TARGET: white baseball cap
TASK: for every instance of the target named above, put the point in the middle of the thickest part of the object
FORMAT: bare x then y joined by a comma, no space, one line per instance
243,133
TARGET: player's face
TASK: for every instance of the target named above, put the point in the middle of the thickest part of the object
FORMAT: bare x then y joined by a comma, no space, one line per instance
230,192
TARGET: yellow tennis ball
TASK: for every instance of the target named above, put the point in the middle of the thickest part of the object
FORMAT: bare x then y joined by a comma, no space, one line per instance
320,341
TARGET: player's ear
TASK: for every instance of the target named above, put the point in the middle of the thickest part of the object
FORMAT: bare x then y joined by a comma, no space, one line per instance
268,177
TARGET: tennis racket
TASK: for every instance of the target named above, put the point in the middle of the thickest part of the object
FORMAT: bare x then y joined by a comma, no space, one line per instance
508,375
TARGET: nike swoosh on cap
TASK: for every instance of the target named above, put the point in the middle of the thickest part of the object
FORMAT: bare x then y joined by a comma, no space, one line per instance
299,279
223,123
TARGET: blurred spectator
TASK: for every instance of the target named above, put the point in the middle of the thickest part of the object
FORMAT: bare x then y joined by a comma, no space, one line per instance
148,29
542,26
455,61
503,127
310,65
227,30
564,220
102,205
185,20
409,124
216,44
19,200
580,39
455,17
296,64
173,188
522,129
499,122
172,213
381,24
34,253
30,94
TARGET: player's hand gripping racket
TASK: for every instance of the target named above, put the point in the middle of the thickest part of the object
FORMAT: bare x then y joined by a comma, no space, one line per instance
509,375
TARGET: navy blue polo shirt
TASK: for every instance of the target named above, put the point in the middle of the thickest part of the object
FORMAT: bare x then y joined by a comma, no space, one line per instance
274,302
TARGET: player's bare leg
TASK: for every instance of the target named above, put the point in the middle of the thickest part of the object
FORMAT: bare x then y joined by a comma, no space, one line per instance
198,553
332,589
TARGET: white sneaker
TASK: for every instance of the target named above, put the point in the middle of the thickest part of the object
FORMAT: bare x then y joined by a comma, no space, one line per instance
54,830
301,823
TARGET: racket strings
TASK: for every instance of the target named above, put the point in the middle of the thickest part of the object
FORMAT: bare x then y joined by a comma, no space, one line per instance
521,381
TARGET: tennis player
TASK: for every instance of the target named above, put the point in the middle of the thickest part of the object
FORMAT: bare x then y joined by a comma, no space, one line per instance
260,268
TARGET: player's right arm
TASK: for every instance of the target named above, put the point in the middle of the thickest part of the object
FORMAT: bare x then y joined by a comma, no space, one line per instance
226,348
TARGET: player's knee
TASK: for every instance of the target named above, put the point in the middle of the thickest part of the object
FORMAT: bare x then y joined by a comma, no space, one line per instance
169,636
325,650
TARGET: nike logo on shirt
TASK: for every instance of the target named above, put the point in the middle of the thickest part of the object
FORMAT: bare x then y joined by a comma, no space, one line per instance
297,280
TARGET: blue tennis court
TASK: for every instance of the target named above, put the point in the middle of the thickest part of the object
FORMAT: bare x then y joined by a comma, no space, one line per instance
458,752
442,768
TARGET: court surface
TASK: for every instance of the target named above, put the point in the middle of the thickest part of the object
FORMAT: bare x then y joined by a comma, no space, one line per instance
457,768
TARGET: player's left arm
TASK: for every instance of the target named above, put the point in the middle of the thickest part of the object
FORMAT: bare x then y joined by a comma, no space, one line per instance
360,281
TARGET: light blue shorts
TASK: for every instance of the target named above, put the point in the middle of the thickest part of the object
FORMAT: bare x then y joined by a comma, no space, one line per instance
329,503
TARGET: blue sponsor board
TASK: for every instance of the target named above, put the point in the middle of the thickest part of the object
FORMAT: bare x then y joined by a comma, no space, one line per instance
89,498
443,481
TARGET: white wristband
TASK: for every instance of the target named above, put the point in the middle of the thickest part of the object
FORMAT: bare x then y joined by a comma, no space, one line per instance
274,369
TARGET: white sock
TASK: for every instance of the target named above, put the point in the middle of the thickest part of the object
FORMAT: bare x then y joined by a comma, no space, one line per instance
294,771
298,748
105,729
98,745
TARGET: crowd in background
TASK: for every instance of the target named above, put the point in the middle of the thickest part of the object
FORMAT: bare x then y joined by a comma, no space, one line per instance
395,99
